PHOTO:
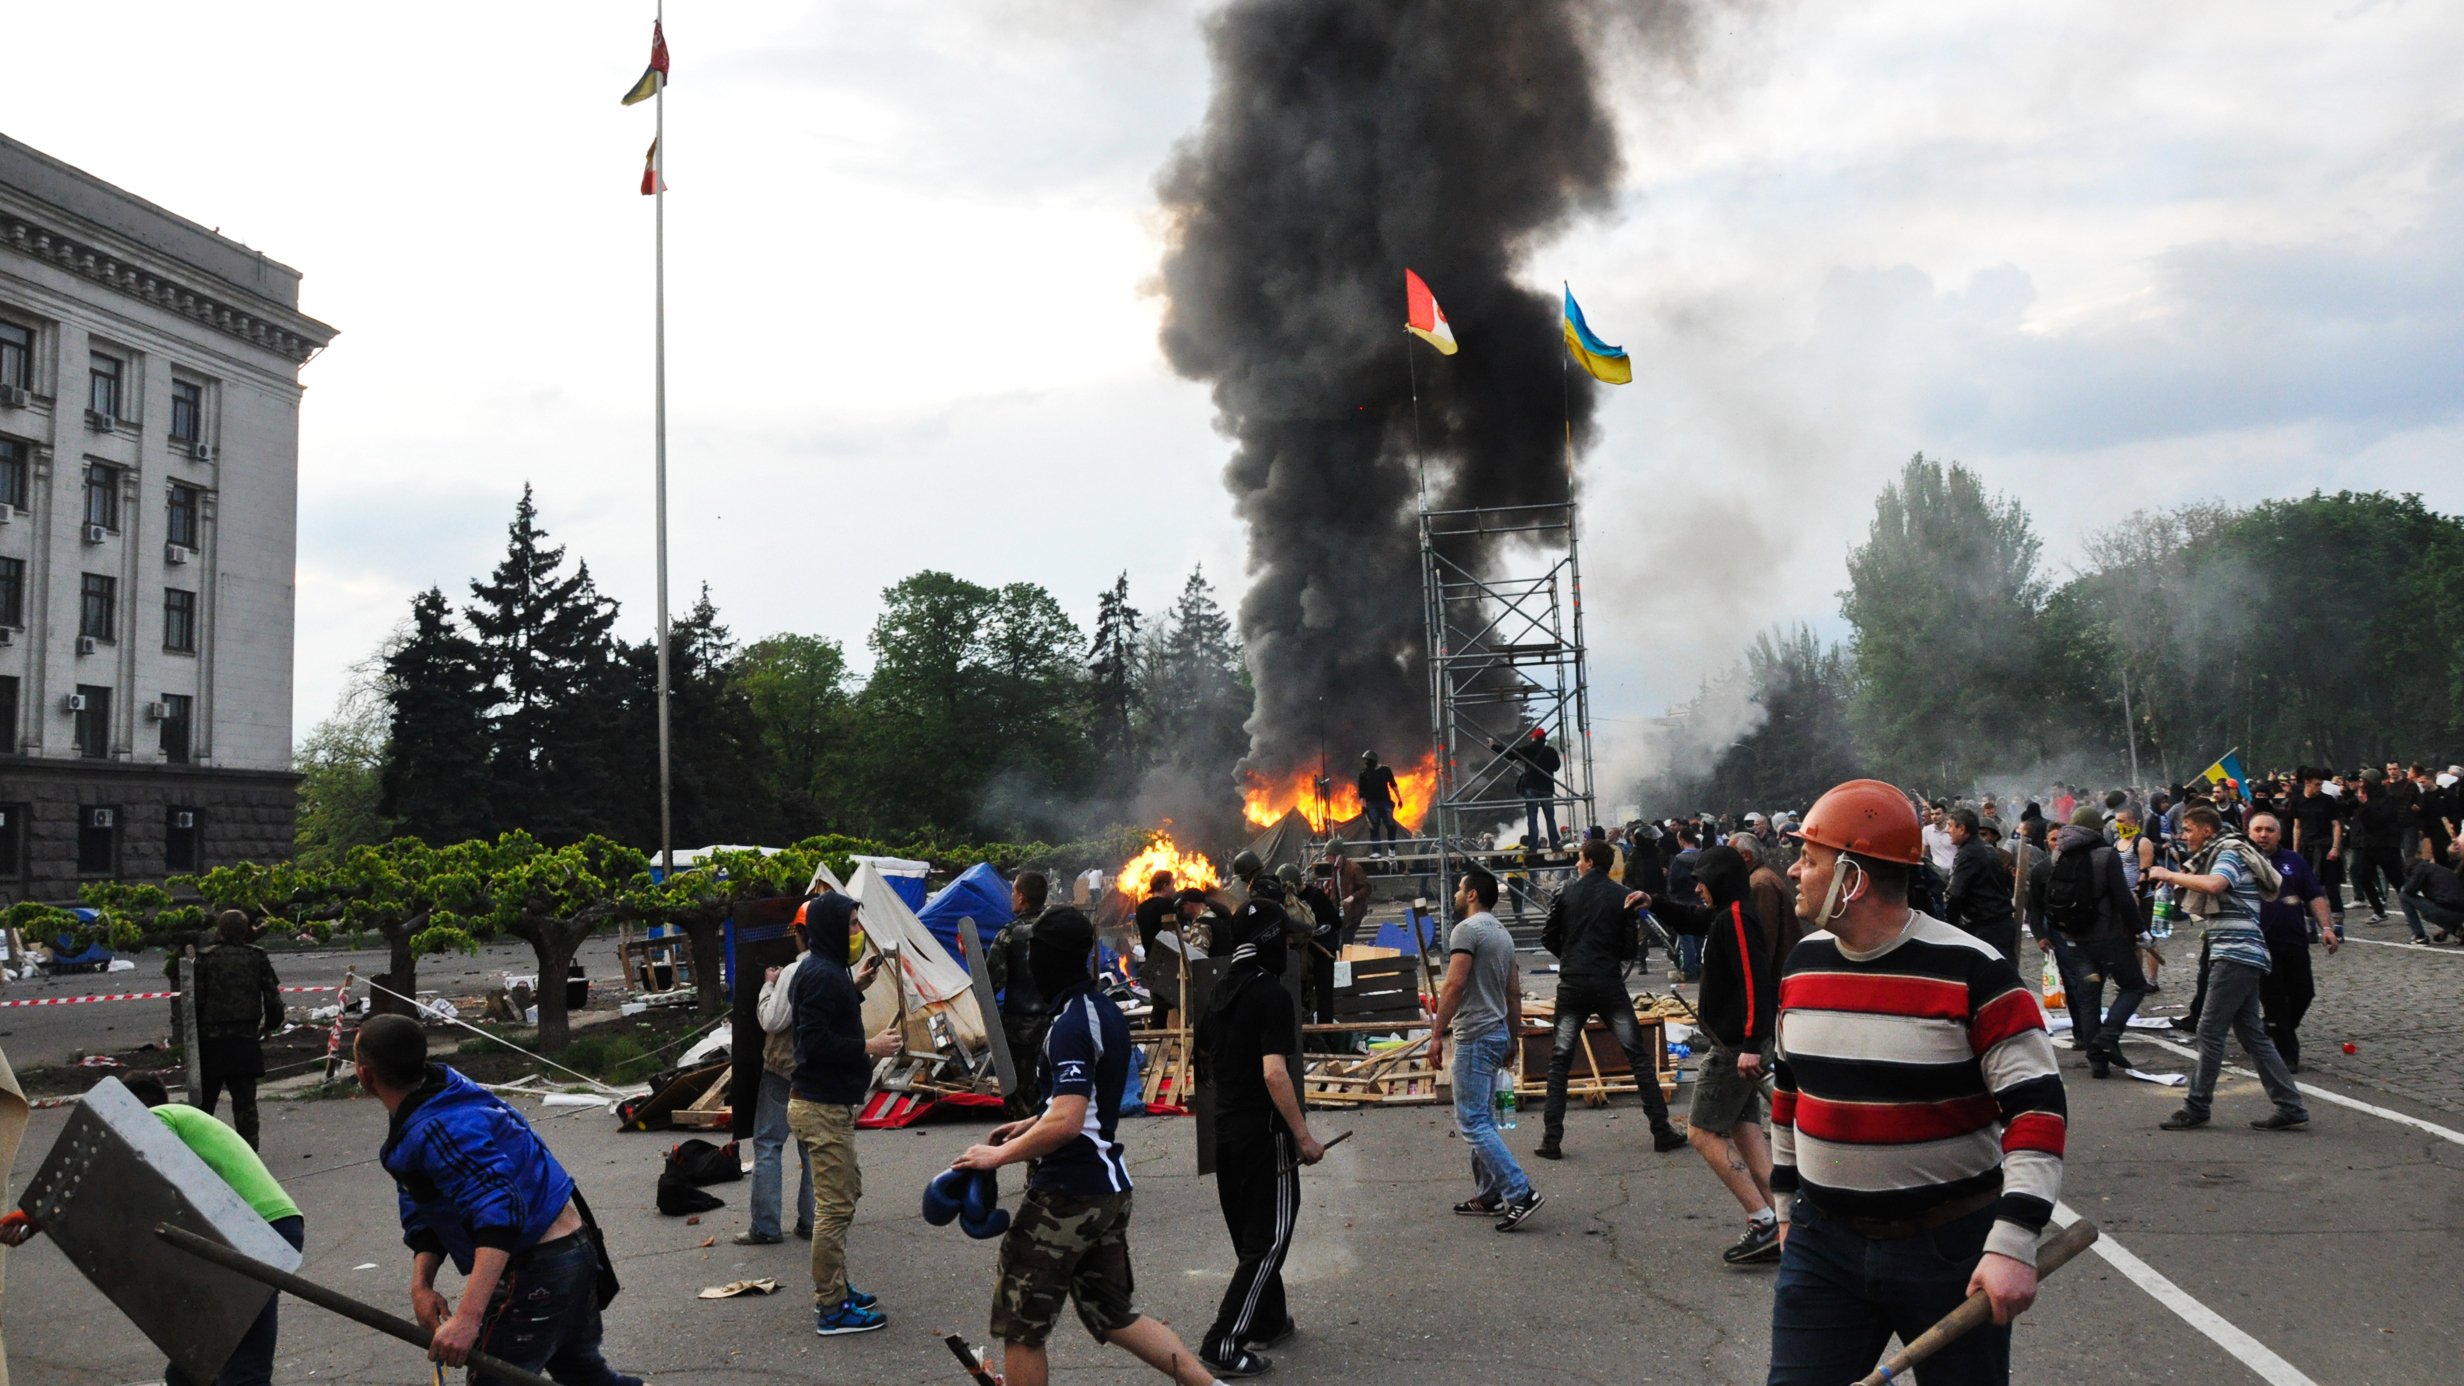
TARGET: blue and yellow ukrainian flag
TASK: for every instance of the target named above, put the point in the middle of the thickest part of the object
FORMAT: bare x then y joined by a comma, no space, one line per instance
1606,363
2229,767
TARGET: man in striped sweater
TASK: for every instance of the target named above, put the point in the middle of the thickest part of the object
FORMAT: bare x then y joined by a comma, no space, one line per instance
1919,1122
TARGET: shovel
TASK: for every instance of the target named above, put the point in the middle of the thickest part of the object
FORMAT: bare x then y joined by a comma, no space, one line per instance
2051,1255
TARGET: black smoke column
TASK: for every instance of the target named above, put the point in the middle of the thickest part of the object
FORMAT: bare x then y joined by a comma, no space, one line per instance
1348,139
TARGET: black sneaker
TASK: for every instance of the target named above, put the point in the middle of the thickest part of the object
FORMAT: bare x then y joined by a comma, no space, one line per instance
1760,1245
1277,1338
1550,1150
1518,1209
2098,1065
1478,1208
1666,1139
2183,1120
1239,1362
2281,1121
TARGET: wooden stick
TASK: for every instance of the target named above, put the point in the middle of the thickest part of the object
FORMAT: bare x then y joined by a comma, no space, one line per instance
366,1315
2051,1255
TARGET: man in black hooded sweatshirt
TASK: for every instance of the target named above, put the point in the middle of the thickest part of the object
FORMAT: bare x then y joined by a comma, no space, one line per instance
1248,1043
1738,1003
1591,929
834,1064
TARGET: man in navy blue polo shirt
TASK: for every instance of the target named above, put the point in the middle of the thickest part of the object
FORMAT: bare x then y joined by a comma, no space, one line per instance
1070,1239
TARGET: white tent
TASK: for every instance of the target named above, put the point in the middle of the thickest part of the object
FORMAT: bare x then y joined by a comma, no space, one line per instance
930,977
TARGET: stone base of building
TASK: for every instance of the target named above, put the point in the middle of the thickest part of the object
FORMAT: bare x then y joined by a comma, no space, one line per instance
73,821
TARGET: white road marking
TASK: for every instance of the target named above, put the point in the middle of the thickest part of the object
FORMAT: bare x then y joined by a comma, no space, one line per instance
2249,1351
2430,948
2322,1094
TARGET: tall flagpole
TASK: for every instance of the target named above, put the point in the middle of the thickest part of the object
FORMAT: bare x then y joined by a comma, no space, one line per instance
658,200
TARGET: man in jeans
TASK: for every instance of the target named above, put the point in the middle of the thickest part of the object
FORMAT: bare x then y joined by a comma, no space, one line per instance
478,1186
2226,881
777,1014
1480,1006
1591,929
834,1064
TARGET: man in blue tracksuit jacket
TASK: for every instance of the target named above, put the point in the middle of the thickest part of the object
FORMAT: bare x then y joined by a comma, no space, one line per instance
477,1185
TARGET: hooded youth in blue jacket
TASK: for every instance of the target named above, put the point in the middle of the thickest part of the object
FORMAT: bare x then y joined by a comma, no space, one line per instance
470,1171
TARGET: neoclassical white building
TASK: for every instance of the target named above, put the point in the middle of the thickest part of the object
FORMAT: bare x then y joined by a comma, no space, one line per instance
149,483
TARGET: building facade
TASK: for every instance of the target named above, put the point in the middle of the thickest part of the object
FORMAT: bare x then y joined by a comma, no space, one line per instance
149,482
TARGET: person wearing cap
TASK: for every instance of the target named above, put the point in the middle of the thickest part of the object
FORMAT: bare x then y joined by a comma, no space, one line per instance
1377,802
1894,1026
834,1065
1978,898
1536,780
1248,1051
1069,1243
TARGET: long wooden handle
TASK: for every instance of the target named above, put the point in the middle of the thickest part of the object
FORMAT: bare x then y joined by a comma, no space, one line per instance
2051,1255
409,1332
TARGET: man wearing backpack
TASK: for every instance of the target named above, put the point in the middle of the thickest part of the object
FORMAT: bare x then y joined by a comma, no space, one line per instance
2088,901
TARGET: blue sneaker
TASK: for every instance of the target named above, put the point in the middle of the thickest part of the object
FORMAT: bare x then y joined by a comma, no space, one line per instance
860,1299
848,1317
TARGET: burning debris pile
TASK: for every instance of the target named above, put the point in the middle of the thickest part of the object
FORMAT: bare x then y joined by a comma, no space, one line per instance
1266,799
1190,870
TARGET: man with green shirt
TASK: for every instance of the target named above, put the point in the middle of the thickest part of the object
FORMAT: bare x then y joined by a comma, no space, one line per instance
252,1362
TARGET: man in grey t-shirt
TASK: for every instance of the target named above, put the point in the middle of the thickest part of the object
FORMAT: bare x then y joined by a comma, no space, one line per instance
1481,1005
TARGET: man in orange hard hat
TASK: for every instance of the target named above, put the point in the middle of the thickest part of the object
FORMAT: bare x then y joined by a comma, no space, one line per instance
1918,1128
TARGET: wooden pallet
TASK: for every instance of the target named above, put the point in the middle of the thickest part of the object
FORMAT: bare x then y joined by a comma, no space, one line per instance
710,1111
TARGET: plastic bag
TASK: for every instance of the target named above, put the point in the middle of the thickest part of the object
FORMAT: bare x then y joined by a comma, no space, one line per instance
2052,983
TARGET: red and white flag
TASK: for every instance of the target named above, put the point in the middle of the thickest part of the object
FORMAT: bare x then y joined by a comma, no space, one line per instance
1422,317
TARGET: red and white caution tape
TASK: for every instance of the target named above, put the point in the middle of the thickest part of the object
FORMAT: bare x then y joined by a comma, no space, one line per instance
128,996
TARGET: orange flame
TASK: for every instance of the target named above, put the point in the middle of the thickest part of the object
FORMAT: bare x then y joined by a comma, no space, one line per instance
1267,798
1190,870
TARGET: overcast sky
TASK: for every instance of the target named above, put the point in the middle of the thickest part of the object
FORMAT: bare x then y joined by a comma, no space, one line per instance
2113,255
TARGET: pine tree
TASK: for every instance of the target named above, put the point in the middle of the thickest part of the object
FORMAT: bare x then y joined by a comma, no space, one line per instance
718,789
1202,691
1112,688
557,719
434,783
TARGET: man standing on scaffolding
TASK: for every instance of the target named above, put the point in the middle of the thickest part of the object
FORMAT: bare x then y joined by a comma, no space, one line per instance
1536,782
1377,803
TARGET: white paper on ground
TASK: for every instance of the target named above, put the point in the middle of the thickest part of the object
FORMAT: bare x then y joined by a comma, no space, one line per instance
2150,1022
2162,1080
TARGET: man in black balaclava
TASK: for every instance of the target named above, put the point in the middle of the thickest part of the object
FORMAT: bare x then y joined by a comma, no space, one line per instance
1247,1048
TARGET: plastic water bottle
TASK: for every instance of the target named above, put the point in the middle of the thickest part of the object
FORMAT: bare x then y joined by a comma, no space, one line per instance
1505,1099
2167,910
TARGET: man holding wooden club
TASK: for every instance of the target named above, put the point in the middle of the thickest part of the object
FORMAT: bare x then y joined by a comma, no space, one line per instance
1919,1122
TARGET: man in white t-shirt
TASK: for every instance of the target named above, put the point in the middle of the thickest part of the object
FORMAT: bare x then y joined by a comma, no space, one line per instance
1939,848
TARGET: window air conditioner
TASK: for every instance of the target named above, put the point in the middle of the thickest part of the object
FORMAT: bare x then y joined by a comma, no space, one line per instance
8,512
184,819
8,637
203,452
177,553
96,534
100,422
156,712
100,818
12,397
85,645
74,702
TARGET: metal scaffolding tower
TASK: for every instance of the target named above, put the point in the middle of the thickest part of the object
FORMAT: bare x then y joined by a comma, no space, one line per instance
1506,654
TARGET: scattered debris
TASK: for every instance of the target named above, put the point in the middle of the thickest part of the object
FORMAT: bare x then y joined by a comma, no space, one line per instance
733,1288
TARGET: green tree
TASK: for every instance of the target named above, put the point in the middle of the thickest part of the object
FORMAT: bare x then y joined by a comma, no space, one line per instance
803,710
1199,689
1113,697
341,766
557,725
718,783
1943,598
434,780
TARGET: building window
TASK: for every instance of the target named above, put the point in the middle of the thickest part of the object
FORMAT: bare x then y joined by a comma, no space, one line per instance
103,496
94,722
183,835
13,473
98,840
103,385
98,608
12,592
16,355
8,714
12,842
183,527
187,411
179,620
176,707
